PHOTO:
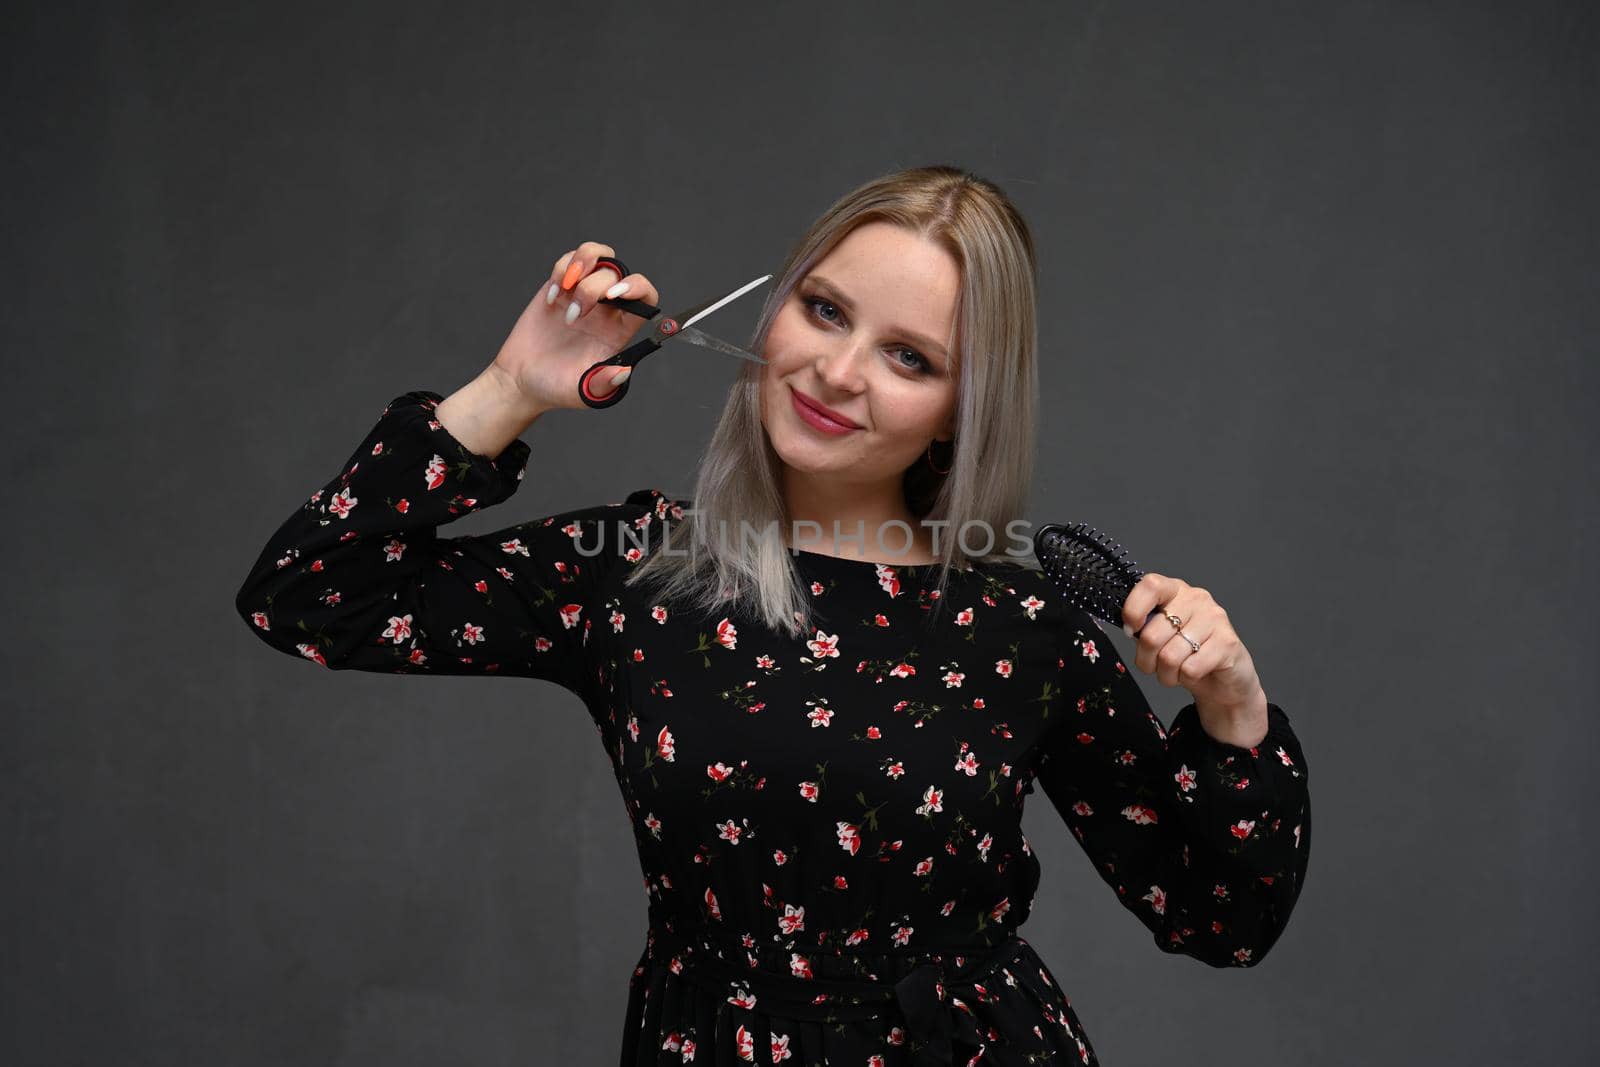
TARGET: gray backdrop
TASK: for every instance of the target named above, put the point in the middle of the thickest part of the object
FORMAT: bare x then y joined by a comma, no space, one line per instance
1319,331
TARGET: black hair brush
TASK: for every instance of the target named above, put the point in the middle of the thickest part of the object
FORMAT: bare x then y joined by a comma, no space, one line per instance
1092,571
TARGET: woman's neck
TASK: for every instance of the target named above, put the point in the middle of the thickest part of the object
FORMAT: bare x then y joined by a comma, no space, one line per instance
854,521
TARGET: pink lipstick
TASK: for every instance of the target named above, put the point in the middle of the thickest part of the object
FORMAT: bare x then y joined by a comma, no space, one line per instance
818,416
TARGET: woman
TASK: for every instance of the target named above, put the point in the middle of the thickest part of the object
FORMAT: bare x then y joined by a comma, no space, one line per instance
825,751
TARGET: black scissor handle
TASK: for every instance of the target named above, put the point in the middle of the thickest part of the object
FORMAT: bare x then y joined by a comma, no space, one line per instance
628,357
589,397
636,307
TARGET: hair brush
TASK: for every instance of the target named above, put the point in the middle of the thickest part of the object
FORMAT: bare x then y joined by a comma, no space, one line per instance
1092,571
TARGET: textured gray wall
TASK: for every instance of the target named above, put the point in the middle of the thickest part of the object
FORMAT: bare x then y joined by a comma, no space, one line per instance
1319,335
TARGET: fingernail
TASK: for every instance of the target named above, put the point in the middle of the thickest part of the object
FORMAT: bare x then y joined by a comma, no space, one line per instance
550,297
572,313
617,290
619,379
1127,629
574,272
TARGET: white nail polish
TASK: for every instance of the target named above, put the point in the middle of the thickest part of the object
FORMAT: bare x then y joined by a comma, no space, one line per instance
617,290
572,314
550,297
1127,629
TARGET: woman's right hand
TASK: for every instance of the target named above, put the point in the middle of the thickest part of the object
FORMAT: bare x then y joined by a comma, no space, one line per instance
547,352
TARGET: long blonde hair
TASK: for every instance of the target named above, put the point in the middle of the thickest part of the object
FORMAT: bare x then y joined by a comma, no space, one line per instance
993,360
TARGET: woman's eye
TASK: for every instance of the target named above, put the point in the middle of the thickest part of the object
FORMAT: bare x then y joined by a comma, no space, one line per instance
814,303
920,364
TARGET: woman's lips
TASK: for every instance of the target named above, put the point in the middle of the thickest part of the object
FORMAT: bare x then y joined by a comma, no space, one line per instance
803,407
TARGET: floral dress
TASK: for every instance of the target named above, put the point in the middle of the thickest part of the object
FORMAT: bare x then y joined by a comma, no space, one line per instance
829,824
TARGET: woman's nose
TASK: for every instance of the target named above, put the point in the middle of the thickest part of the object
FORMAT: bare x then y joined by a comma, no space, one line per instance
841,368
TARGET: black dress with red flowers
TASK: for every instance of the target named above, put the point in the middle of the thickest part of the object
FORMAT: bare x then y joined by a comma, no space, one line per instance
828,824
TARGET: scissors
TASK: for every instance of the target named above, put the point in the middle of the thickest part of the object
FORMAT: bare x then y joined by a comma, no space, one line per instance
680,325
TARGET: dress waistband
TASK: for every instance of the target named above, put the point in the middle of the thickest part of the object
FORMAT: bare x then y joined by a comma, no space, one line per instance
934,995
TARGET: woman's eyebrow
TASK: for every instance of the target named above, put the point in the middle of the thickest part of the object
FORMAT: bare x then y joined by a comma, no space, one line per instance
845,302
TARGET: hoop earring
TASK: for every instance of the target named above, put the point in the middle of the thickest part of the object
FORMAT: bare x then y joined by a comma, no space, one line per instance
929,455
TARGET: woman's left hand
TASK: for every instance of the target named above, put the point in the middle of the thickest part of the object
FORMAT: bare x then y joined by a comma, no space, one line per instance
1221,675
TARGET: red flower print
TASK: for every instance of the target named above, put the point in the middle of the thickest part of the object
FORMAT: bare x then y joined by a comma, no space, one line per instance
569,615
399,628
824,645
433,474
342,503
664,745
1157,898
792,919
849,837
1242,828
810,791
888,579
1003,668
1138,813
727,636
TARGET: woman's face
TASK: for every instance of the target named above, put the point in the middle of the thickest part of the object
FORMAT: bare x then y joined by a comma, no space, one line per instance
865,334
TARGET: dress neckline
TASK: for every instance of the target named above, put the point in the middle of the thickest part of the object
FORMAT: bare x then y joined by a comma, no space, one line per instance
824,559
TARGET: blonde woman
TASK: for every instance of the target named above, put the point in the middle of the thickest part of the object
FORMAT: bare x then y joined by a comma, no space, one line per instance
829,678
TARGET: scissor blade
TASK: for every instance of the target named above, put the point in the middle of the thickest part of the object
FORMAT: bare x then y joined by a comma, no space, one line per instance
691,319
700,337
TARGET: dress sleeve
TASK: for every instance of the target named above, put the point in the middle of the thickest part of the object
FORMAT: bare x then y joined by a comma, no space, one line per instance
357,578
1204,841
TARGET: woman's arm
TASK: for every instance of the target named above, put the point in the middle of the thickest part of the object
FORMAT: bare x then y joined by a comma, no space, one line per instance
1205,842
356,578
